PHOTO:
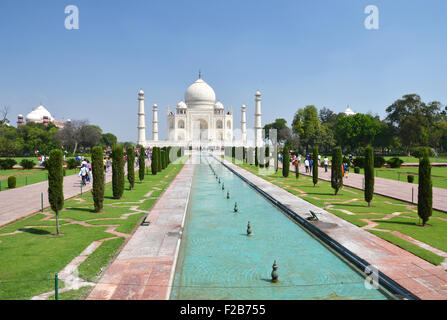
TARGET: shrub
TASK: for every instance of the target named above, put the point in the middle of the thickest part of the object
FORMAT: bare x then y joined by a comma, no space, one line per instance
55,183
154,160
7,164
261,157
425,190
379,161
12,182
72,163
256,157
141,164
418,152
163,158
410,178
369,175
117,171
395,162
297,171
27,163
45,164
336,170
98,177
356,170
131,166
65,172
158,159
359,162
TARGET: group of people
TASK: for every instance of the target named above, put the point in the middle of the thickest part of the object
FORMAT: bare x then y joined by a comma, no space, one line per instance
309,161
85,172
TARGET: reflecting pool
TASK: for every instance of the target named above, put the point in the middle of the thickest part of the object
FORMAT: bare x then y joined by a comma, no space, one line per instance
217,259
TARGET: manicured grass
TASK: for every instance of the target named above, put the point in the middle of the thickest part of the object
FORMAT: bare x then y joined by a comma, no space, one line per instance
26,177
439,174
410,247
349,205
90,269
35,256
79,294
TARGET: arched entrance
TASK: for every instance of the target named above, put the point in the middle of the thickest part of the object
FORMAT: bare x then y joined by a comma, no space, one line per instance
200,130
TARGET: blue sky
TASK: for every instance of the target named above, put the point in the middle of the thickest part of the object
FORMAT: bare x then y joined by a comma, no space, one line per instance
295,52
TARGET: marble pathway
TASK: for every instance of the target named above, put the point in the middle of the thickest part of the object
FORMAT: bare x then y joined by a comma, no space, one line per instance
144,269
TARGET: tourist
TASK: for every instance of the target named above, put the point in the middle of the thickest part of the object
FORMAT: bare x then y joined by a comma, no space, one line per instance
109,163
311,162
345,169
299,160
326,163
306,165
89,172
319,160
83,173
104,163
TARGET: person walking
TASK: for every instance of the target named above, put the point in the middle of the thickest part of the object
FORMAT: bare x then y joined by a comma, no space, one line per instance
299,160
306,165
319,160
83,174
89,172
326,163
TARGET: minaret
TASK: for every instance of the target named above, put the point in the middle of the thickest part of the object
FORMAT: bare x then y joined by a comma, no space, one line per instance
258,127
244,125
141,119
155,124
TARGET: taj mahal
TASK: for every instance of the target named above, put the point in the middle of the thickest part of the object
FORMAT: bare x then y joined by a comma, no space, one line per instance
200,120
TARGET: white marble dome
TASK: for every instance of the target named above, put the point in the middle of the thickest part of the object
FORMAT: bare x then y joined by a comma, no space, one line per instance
181,105
37,114
219,105
200,94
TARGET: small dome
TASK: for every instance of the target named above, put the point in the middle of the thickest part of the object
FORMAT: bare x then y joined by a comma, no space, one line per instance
181,105
218,105
200,93
349,112
258,93
20,116
38,114
141,92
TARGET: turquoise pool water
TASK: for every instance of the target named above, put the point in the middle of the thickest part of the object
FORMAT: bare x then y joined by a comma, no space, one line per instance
218,260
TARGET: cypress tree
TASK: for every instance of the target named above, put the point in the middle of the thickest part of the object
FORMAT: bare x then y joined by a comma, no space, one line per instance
261,157
286,161
233,152
336,170
131,167
297,172
256,156
369,174
55,183
163,158
154,161
267,156
141,164
158,159
244,155
275,158
425,191
315,166
98,177
167,156
117,171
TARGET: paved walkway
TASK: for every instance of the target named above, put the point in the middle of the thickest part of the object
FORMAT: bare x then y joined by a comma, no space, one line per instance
386,187
417,275
24,201
144,269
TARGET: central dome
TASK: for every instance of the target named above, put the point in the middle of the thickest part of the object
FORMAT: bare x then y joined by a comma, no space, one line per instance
200,93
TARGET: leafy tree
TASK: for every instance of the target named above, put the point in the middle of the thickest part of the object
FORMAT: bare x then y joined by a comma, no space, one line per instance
98,177
131,167
315,166
117,171
55,183
141,164
336,170
425,191
286,162
281,126
108,140
369,174
306,124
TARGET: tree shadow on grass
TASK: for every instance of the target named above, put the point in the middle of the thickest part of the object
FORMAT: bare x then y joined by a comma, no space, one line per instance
410,223
353,205
35,231
81,209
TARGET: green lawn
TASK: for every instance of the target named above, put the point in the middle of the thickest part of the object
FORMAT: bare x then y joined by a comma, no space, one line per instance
31,258
349,205
26,177
438,174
